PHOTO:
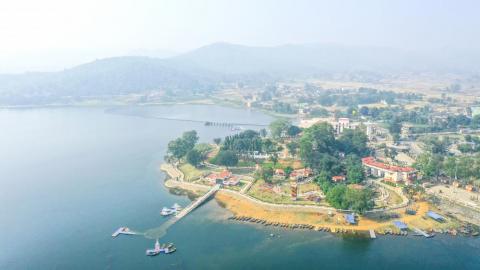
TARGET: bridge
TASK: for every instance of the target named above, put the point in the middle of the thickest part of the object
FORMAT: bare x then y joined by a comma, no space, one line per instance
196,203
156,233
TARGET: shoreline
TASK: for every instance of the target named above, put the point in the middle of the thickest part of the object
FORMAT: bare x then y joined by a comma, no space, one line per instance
314,217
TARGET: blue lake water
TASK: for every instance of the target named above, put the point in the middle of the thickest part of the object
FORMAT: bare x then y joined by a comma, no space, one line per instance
70,176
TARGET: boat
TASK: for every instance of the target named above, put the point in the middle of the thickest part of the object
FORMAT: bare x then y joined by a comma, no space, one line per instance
166,211
170,249
163,248
176,207
155,251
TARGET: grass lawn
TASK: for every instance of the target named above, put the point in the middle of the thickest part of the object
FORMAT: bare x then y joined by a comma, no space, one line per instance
192,173
259,191
394,198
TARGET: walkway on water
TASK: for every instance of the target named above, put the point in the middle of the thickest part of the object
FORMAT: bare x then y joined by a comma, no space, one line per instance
162,230
205,122
196,203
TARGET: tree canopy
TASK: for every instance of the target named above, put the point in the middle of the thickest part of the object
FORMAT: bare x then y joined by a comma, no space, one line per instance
226,158
179,147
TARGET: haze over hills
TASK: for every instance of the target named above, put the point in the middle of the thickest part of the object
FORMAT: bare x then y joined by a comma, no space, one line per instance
203,68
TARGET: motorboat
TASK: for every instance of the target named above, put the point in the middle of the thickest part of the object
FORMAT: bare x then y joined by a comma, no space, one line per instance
155,251
166,211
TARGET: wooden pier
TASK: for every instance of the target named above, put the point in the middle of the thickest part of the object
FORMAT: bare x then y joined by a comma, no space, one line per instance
372,234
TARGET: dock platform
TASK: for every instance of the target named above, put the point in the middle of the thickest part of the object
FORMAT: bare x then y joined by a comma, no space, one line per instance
123,230
372,234
422,233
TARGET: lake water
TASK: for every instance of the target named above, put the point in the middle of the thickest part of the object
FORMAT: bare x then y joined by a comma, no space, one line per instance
70,176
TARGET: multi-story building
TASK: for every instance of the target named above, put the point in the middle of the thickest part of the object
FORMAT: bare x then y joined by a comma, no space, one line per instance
390,173
340,125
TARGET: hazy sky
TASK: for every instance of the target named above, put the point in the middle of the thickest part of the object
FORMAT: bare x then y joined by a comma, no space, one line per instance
54,33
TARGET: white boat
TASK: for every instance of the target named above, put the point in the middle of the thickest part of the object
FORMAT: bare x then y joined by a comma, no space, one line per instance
164,248
166,211
176,207
155,251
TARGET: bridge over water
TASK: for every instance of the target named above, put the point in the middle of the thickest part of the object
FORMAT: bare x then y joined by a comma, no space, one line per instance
160,231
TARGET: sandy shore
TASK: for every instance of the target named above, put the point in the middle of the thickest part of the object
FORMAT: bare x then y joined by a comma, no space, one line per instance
241,207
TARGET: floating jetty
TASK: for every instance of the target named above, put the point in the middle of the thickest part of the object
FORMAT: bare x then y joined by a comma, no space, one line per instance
123,230
372,234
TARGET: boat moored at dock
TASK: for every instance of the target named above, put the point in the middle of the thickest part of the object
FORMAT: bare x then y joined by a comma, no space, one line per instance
163,248
175,209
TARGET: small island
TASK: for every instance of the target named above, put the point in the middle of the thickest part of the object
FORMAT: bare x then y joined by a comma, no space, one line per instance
329,175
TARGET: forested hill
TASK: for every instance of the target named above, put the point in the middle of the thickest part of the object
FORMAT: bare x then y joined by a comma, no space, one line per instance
112,76
205,68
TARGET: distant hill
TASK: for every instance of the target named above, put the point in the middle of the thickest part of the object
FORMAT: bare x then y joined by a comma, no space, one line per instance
319,58
205,67
111,76
292,59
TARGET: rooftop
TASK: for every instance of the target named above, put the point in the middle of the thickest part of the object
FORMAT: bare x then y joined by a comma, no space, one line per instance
434,215
400,225
370,161
350,218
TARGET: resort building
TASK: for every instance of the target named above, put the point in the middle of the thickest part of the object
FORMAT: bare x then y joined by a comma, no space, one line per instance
371,130
406,131
340,125
390,173
301,174
225,178
469,188
279,172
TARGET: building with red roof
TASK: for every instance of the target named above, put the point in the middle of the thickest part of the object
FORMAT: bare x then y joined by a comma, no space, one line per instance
390,173
301,174
338,178
224,177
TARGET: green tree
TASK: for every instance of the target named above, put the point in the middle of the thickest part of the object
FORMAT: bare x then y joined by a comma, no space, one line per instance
194,157
266,173
190,138
355,173
274,159
179,147
288,170
430,165
353,141
217,141
336,197
317,146
278,127
293,130
450,167
292,148
226,158
359,200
